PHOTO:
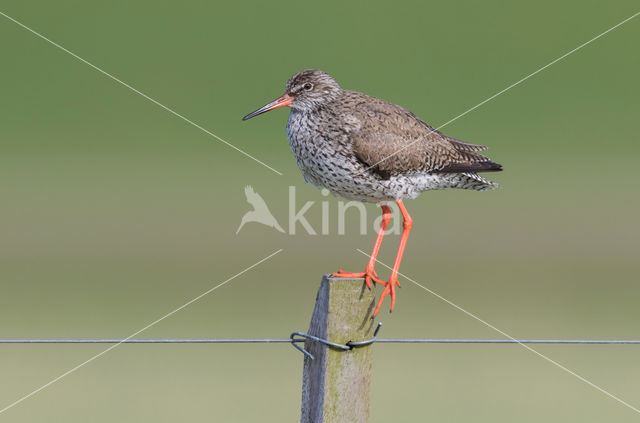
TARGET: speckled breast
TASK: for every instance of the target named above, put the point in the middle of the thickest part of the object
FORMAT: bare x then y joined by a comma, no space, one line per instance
325,159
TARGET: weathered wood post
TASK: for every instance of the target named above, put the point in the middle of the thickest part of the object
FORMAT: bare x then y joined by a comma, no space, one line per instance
335,385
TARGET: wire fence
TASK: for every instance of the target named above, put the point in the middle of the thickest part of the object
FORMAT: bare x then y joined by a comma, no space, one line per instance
288,340
298,337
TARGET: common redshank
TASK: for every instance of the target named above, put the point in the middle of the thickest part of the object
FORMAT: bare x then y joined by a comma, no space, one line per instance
366,149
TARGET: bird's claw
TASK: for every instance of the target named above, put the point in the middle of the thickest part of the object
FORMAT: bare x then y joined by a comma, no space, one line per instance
389,289
368,275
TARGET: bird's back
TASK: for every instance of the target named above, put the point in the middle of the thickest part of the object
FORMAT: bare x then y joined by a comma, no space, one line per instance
392,140
362,144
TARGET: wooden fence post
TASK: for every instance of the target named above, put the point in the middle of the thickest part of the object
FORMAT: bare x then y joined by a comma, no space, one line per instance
335,385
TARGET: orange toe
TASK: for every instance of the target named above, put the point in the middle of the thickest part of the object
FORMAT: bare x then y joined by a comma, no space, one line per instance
389,289
368,275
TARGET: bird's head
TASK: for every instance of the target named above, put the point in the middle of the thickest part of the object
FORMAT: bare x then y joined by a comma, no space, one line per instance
305,91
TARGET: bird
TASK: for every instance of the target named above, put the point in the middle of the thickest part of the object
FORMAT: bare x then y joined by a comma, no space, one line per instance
260,212
366,149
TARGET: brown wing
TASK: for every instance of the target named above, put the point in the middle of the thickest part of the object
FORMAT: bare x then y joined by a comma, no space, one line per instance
392,140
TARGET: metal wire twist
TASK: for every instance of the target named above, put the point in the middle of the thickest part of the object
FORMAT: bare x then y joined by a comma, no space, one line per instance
346,347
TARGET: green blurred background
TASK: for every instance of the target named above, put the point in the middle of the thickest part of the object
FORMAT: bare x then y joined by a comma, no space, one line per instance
115,212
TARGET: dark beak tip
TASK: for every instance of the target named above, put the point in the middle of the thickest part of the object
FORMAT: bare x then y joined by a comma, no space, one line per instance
254,113
249,116
284,100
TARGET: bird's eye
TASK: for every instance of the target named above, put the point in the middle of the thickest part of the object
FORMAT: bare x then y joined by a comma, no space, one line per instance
308,86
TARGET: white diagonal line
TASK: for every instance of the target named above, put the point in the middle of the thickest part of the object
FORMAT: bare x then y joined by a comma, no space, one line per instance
539,354
68,372
506,89
140,93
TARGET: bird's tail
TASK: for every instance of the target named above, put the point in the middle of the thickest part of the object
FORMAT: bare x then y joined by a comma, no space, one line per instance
476,182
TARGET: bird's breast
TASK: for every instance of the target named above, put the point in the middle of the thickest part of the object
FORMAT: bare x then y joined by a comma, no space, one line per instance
321,149
309,137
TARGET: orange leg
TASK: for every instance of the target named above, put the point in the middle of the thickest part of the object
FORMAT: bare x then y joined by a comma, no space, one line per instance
390,286
369,273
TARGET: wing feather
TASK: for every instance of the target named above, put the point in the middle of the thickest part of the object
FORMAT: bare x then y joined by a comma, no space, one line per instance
391,140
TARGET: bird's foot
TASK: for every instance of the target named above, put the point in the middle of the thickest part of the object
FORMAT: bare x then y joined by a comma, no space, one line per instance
389,289
369,275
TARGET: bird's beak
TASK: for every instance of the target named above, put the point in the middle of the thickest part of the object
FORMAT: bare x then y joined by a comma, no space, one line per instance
285,100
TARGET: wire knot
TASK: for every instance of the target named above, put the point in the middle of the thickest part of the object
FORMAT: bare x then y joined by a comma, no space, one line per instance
346,347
